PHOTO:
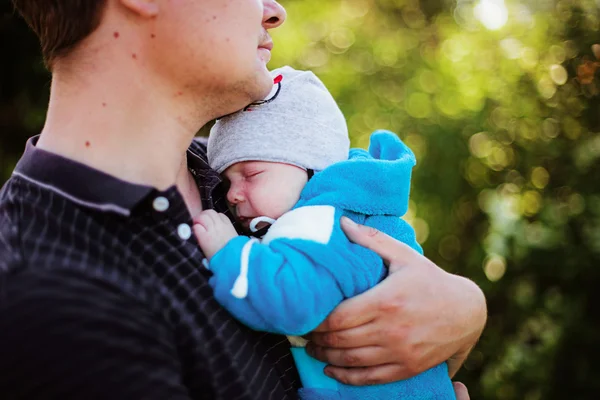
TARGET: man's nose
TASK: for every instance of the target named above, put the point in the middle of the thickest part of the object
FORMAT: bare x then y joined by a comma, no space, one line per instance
273,14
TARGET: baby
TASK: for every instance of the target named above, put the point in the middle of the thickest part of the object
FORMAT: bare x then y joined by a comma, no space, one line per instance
292,178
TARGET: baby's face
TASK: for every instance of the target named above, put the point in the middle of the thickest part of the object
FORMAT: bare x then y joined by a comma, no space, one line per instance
260,188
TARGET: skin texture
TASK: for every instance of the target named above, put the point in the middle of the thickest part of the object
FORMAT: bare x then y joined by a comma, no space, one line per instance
213,231
218,36
461,391
257,188
202,59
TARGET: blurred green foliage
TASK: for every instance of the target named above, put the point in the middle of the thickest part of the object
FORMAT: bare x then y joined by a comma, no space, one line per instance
499,101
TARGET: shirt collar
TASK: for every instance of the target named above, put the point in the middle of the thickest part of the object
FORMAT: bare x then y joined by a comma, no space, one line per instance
87,186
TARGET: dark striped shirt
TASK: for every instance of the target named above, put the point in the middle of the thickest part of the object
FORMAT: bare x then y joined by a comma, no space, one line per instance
103,295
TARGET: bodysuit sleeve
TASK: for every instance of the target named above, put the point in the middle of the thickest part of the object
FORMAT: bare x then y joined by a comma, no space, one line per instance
303,268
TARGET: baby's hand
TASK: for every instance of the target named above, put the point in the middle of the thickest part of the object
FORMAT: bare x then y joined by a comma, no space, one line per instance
213,231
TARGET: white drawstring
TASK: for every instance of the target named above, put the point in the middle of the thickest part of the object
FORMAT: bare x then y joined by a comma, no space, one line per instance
240,286
258,220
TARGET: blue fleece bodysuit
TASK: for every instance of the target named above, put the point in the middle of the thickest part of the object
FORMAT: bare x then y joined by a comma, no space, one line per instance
304,266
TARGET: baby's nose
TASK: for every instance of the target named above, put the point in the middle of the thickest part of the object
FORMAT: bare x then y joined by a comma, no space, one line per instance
235,196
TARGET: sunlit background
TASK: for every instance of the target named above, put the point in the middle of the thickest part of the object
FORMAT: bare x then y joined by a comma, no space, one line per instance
499,101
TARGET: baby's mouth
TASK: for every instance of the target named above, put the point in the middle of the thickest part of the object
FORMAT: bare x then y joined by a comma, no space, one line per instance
245,221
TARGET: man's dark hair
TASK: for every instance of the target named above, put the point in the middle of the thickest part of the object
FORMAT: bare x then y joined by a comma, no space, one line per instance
60,24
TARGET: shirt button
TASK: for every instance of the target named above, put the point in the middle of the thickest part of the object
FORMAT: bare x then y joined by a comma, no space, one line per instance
161,204
184,231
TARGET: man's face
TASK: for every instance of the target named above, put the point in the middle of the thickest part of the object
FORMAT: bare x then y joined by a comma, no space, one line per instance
217,48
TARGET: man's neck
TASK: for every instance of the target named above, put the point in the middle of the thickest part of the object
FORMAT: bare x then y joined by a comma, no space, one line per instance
121,122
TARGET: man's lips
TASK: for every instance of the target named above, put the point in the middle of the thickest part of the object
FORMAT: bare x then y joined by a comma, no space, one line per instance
267,45
265,51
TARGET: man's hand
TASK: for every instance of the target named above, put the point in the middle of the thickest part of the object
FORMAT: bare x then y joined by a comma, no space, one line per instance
213,231
416,318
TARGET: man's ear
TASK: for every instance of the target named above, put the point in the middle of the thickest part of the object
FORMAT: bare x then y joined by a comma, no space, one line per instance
143,8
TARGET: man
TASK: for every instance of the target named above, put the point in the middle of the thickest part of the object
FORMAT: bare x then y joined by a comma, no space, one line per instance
102,291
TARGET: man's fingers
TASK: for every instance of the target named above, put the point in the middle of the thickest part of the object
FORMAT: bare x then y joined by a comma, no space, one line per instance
359,357
366,376
361,336
390,249
461,391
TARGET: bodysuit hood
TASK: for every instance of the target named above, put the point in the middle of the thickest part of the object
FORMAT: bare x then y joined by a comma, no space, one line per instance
373,182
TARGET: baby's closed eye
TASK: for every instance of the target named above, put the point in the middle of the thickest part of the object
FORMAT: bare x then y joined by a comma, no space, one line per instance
252,174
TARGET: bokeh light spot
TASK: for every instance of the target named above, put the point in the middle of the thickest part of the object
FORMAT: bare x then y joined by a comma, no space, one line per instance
494,268
540,177
559,75
421,230
531,203
493,14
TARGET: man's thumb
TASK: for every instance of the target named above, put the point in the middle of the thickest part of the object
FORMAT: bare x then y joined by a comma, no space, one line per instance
461,391
388,248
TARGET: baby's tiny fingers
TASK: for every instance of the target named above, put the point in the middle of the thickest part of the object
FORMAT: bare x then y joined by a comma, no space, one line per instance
207,218
205,214
224,219
199,229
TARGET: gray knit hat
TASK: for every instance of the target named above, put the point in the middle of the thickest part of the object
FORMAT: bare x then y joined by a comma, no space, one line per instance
299,123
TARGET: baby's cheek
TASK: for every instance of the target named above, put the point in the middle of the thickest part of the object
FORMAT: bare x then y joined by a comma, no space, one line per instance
287,203
273,207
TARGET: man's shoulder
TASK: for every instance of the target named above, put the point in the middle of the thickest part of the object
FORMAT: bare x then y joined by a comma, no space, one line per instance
17,192
10,252
43,233
10,190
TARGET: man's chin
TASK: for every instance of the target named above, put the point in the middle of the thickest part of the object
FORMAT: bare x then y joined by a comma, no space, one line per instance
246,92
264,84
